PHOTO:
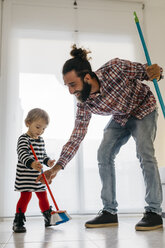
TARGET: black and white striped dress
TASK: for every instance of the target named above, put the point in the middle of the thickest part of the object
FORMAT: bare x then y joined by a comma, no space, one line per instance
25,175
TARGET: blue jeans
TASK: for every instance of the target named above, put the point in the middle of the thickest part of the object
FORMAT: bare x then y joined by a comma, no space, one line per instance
143,131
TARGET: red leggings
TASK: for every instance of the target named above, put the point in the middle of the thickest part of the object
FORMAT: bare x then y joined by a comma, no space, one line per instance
26,197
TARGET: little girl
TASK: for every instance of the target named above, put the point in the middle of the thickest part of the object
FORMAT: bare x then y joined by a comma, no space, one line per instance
28,168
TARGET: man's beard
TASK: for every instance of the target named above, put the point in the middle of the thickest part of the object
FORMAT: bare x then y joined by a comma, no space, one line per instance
85,92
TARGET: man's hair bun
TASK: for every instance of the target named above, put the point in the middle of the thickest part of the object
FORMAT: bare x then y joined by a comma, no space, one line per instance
79,53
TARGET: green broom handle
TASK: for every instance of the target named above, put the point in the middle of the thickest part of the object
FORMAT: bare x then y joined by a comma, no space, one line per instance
149,63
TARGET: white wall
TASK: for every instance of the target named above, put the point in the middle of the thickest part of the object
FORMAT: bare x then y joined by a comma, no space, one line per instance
155,34
155,31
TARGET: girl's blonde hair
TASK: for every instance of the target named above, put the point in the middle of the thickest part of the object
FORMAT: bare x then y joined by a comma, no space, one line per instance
35,114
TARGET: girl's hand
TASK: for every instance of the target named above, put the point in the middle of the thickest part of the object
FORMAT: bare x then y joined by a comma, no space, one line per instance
51,162
36,165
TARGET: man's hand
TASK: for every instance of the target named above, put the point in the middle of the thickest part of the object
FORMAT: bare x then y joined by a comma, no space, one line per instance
49,174
36,165
153,72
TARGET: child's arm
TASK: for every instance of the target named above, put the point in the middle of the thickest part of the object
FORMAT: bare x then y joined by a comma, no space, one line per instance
50,162
24,155
46,160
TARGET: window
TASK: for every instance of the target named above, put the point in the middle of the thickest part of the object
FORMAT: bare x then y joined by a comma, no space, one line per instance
78,187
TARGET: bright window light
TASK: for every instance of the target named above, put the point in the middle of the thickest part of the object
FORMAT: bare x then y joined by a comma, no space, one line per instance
41,85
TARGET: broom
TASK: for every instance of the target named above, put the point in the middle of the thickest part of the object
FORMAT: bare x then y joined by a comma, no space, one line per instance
149,63
59,216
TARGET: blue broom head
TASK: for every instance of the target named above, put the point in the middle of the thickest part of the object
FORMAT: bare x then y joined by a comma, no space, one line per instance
64,218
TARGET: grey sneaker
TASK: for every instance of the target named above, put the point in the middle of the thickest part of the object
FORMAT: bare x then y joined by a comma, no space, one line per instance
103,219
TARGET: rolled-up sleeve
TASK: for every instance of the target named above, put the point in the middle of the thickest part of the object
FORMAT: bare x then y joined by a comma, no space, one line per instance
134,70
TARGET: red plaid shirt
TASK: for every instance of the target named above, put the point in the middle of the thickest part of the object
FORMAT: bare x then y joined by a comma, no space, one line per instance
122,94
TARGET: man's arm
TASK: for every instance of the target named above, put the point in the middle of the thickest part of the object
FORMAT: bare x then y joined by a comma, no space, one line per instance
142,72
70,148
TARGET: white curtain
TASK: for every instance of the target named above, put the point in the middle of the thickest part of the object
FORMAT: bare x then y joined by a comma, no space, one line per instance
39,35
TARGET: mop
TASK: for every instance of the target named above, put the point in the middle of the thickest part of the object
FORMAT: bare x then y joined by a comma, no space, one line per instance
149,63
59,216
